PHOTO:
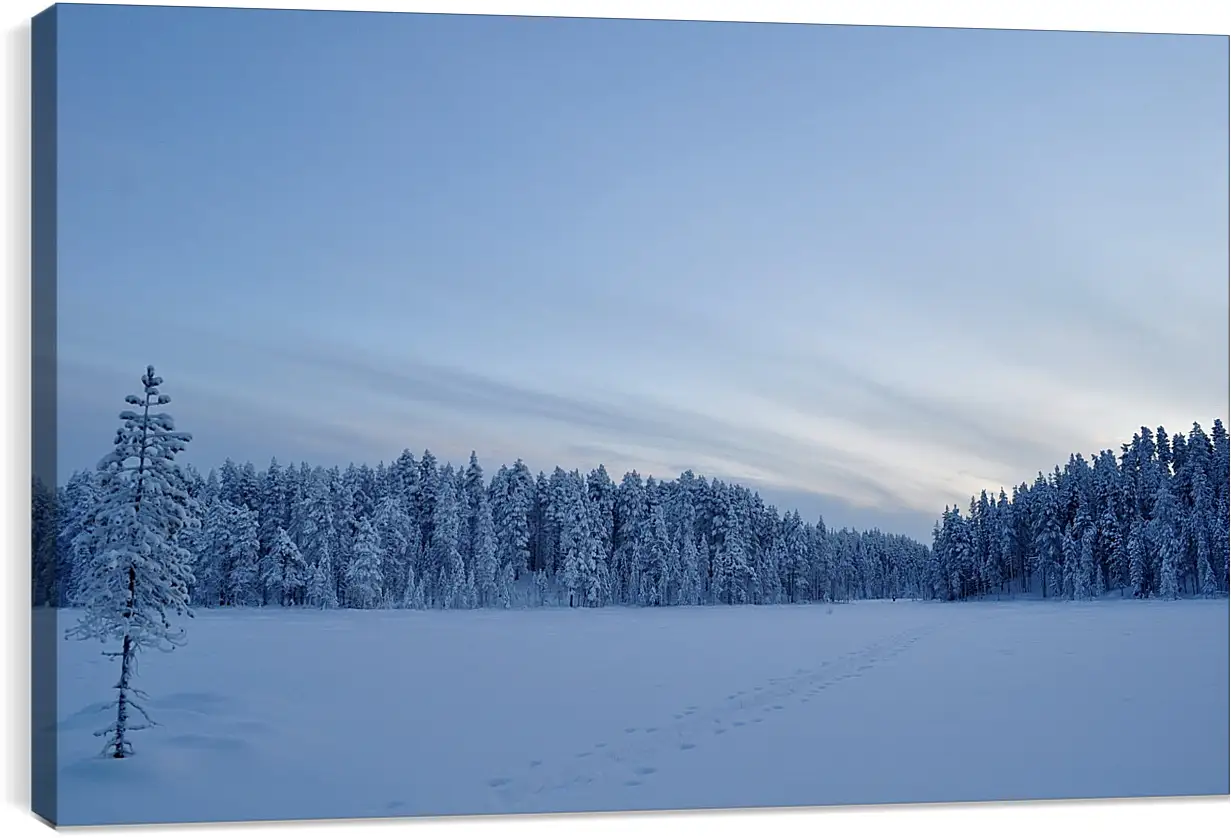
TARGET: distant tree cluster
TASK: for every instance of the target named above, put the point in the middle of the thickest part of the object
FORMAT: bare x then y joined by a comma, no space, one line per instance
1152,522
418,534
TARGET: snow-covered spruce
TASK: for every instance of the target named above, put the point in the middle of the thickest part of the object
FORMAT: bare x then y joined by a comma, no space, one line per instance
364,580
286,575
138,574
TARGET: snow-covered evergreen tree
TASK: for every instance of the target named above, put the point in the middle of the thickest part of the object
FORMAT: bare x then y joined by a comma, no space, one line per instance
323,592
541,587
399,540
487,578
797,560
1098,584
691,589
1085,585
76,506
601,492
473,488
821,557
286,574
241,545
445,556
364,581
728,563
1112,546
413,596
139,574
312,528
629,517
1196,529
1139,570
1049,544
512,494
274,514
655,557
578,545
1164,534
1079,558
427,489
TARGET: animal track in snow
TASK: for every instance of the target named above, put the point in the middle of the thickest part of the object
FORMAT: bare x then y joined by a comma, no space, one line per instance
692,723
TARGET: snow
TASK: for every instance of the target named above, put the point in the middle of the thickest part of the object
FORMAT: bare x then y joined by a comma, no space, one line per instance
288,713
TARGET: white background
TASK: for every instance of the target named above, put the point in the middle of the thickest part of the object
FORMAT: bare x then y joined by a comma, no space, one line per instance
1127,818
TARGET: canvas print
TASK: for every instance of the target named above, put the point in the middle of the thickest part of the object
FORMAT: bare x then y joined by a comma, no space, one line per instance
445,415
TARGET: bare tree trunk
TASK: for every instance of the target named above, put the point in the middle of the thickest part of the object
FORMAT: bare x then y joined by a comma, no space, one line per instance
126,655
121,721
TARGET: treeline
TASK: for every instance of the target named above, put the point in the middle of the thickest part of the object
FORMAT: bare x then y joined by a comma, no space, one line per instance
418,534
1153,521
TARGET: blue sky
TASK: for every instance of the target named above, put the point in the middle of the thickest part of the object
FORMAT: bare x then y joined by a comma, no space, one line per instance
867,270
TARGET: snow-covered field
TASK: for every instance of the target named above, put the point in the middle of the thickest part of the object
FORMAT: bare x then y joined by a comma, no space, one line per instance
311,714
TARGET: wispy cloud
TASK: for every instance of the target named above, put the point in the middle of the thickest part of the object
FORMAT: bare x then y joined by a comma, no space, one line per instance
631,426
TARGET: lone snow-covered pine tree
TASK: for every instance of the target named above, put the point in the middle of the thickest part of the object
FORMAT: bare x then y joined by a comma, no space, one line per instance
139,574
